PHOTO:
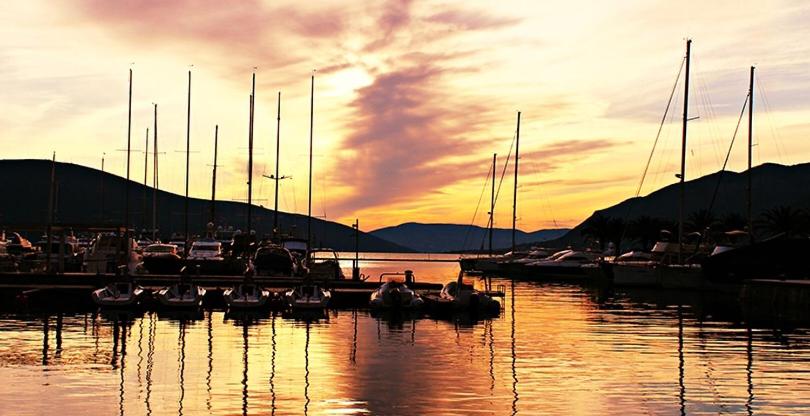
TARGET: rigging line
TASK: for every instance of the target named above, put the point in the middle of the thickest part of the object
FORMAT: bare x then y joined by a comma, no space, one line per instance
728,154
774,132
475,214
491,221
655,143
660,127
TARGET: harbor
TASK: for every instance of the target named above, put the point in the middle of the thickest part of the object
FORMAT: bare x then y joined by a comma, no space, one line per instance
404,208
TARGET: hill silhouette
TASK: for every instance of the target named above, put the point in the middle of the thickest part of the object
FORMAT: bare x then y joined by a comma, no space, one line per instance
773,185
25,187
455,237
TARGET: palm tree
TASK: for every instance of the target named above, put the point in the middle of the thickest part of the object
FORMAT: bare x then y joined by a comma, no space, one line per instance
597,229
646,230
784,220
700,221
733,221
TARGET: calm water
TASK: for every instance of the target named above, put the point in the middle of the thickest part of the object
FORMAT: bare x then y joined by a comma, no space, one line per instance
555,349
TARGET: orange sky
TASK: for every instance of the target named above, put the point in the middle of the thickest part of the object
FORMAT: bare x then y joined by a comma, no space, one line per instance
412,97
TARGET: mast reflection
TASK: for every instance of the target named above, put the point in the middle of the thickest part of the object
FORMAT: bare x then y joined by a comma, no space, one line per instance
749,370
514,356
122,369
182,363
210,360
681,370
245,366
45,330
58,352
306,371
150,362
273,365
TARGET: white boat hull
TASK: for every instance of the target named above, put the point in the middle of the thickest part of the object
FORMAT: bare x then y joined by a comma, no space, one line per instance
171,297
234,299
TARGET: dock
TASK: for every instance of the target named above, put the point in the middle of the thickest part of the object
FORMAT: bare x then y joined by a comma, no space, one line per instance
71,289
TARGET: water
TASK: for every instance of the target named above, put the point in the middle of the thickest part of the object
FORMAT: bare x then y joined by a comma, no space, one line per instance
554,349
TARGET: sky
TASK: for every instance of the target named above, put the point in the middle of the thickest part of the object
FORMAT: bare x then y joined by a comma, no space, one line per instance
412,98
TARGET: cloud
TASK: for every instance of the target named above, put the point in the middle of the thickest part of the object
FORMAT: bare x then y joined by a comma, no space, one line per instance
470,19
404,127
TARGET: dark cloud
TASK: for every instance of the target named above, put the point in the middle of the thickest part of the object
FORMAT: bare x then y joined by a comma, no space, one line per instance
470,20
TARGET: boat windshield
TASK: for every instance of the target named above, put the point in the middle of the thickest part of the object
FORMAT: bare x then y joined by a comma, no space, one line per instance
162,248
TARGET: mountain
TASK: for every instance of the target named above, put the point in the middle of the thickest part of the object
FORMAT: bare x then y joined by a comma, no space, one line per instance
455,238
772,184
25,184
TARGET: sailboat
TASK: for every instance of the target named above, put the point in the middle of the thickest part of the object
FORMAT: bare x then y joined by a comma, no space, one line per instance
493,263
666,267
309,295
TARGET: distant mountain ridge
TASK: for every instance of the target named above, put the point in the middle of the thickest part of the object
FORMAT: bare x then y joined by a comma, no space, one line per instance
25,184
772,184
454,237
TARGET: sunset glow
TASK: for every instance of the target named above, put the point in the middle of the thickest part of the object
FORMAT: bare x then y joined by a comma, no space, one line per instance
411,98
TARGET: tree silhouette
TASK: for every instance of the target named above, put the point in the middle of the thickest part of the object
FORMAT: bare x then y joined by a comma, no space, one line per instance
784,220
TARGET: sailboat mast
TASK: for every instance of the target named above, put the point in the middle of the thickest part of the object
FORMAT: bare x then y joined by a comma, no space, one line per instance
145,176
514,195
682,176
492,204
309,193
154,178
750,155
278,144
102,187
129,143
214,176
188,160
250,156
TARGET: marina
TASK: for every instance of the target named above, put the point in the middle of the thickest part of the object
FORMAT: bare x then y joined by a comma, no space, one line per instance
463,209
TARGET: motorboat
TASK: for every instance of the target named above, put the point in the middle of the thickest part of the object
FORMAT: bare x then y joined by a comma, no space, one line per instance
181,295
299,248
110,250
118,294
308,296
777,257
18,245
634,268
205,255
324,264
485,264
564,264
180,244
246,295
462,295
395,294
162,259
274,260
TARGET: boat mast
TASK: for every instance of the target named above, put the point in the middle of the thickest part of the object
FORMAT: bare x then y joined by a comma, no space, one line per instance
214,176
682,175
188,152
309,193
250,156
102,186
51,197
154,178
750,156
492,204
145,176
514,196
129,134
278,143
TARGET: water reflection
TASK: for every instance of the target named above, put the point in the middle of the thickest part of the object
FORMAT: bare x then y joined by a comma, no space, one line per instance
556,348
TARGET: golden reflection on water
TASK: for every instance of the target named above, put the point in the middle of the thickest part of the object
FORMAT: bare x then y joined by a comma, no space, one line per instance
554,349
